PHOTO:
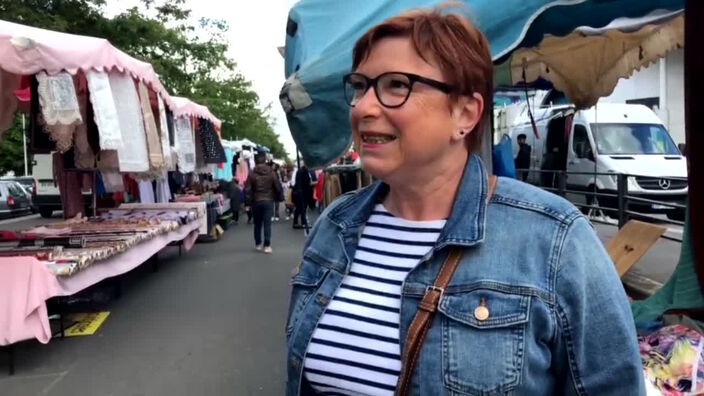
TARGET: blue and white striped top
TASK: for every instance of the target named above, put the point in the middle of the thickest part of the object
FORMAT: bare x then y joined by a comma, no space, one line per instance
355,349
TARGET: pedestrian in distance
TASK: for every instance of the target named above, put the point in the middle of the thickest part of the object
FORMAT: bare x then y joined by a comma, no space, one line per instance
234,192
522,161
262,190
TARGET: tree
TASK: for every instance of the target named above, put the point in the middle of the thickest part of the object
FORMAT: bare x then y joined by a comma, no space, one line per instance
191,60
12,158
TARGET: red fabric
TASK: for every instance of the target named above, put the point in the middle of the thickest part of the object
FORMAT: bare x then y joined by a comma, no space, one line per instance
318,192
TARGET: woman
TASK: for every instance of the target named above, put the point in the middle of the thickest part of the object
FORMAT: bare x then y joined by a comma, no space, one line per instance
534,306
302,197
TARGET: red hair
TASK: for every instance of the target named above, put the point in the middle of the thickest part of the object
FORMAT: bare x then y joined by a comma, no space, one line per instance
447,40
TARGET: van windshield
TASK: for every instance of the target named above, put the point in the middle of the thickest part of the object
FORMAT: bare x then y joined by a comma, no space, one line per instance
633,139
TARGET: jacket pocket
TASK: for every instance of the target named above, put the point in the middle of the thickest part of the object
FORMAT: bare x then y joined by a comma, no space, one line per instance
305,281
483,340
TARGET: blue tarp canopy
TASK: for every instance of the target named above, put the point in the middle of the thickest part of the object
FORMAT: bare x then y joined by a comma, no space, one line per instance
321,34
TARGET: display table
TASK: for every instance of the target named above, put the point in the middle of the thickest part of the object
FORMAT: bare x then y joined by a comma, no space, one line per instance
201,206
26,283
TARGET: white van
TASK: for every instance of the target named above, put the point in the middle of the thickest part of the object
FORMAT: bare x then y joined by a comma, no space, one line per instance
608,138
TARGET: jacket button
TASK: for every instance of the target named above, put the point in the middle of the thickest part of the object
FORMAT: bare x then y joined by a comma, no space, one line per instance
322,300
481,313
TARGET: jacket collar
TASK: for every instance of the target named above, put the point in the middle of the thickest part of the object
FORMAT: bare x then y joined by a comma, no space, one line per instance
467,221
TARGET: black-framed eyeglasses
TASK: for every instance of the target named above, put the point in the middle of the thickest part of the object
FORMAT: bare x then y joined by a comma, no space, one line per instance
392,89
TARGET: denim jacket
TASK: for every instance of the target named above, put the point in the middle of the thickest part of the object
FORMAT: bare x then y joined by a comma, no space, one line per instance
559,319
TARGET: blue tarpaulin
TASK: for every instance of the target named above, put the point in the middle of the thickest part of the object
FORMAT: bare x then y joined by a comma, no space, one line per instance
321,34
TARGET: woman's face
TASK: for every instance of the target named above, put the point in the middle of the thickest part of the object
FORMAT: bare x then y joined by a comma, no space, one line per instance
416,135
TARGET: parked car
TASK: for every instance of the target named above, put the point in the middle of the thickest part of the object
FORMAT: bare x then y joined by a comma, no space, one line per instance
13,199
29,184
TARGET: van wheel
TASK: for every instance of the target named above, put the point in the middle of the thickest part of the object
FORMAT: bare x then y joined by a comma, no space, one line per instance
45,212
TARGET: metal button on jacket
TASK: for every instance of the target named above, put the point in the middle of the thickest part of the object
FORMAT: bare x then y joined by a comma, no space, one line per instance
481,312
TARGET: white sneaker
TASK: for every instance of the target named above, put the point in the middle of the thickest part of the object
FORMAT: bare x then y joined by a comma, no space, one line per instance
267,250
259,248
276,219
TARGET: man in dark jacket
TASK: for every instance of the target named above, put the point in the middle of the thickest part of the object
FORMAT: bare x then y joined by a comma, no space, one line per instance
522,161
261,190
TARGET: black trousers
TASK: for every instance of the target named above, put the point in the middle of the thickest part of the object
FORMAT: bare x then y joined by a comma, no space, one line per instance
262,212
301,210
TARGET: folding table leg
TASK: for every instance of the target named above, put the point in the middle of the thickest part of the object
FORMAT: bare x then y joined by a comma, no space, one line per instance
11,358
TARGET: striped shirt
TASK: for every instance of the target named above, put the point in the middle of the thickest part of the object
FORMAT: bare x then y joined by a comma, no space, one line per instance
355,349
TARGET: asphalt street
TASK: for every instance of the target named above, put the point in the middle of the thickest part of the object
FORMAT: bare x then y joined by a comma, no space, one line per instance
210,322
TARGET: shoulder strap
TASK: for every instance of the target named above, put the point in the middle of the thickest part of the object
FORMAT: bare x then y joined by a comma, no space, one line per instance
426,310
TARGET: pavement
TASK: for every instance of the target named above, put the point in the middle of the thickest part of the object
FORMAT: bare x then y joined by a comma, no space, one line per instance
210,322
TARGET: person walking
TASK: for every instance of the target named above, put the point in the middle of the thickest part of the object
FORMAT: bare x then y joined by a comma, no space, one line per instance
277,203
261,190
234,192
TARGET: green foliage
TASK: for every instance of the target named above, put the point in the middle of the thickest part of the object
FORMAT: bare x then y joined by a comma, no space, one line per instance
191,61
11,149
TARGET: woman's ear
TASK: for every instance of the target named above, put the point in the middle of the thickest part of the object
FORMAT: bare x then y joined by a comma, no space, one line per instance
467,112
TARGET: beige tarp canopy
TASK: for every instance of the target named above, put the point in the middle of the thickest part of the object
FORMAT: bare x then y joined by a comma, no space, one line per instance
587,63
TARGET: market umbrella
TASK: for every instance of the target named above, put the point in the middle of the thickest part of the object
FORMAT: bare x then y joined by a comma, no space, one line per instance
320,35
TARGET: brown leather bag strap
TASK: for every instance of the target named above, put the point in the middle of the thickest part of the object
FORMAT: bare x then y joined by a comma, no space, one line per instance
426,310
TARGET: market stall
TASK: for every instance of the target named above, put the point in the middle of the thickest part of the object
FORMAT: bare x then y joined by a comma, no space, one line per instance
109,126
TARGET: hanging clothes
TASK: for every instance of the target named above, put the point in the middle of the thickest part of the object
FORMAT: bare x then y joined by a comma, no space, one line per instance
198,139
224,169
146,192
39,141
156,157
185,147
104,111
57,96
70,185
113,182
242,171
164,135
133,157
213,151
163,191
170,125
84,154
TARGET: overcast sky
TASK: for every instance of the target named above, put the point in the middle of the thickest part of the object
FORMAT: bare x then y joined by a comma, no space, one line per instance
257,28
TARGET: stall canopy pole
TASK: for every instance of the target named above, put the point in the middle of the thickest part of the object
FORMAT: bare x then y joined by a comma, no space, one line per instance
694,126
24,145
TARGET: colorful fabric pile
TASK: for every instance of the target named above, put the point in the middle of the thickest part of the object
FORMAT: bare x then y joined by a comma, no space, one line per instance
76,244
672,360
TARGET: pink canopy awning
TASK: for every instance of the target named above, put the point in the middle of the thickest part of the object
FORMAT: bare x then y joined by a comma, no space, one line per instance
26,50
186,107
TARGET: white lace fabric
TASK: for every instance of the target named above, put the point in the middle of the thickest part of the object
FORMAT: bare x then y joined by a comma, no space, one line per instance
133,156
185,147
57,97
104,111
